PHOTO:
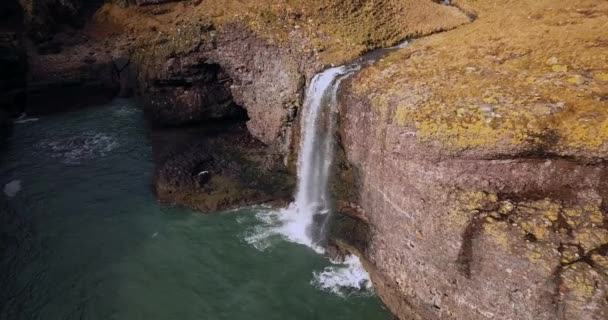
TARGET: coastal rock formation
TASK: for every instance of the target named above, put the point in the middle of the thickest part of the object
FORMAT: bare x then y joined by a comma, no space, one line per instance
200,63
13,69
267,49
472,162
479,156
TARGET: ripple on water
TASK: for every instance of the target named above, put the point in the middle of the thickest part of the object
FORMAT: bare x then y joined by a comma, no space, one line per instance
76,149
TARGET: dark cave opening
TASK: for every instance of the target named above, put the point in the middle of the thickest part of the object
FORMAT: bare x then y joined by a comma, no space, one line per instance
195,95
11,16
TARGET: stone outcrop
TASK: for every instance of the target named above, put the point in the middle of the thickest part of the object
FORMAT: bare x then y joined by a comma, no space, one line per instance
216,167
479,156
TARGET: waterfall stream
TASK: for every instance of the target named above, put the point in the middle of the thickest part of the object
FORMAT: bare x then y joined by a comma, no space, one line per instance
305,221
315,160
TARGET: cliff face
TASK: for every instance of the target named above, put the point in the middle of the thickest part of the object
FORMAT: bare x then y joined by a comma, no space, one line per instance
213,61
480,162
267,49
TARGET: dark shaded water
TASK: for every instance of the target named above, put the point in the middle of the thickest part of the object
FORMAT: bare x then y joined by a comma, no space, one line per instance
95,244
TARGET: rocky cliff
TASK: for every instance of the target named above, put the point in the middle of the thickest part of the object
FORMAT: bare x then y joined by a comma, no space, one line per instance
204,62
479,156
472,161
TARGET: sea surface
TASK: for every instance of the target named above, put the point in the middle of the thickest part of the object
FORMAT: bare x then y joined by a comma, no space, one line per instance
92,242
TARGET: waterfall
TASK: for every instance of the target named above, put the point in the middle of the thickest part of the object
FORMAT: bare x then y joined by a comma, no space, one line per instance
307,217
305,220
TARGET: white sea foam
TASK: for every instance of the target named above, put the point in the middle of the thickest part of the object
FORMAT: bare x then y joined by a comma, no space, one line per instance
74,150
125,111
348,278
12,188
25,120
343,278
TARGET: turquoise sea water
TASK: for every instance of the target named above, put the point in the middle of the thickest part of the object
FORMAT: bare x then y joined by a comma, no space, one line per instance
99,246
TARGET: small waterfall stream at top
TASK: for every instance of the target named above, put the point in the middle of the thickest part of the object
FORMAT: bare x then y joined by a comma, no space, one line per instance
315,159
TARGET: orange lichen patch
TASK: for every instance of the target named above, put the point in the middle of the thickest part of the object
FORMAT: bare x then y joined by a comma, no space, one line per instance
336,31
526,76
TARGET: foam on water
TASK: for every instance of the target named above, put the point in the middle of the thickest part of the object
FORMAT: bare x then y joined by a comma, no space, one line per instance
343,278
75,149
23,118
125,111
347,278
12,188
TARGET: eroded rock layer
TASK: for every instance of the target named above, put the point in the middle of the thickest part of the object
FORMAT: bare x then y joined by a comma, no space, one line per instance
480,160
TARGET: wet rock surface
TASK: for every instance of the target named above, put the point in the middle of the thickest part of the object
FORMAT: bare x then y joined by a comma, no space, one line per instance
216,167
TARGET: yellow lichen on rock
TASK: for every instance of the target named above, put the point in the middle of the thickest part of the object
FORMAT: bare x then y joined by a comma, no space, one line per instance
525,77
533,229
578,280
